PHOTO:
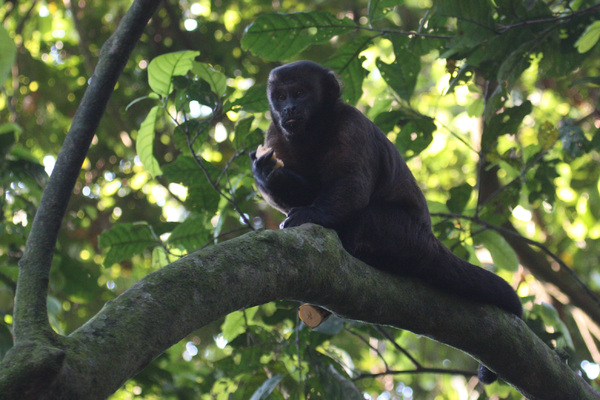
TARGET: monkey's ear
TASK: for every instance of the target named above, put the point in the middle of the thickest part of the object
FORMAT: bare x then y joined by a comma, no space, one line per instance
332,86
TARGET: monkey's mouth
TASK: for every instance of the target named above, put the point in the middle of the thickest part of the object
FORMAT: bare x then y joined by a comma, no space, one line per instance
291,123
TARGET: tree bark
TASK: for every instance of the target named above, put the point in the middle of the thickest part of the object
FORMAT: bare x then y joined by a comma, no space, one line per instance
306,264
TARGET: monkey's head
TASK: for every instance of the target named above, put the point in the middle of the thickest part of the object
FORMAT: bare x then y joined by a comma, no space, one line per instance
301,94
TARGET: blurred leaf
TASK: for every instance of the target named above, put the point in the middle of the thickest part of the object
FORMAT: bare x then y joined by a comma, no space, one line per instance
144,143
574,142
502,253
505,123
266,388
459,197
125,240
159,258
9,135
295,31
191,234
379,8
337,385
547,135
8,55
201,194
163,68
235,323
589,37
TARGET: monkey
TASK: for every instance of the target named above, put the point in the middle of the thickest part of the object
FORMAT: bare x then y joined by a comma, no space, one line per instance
341,171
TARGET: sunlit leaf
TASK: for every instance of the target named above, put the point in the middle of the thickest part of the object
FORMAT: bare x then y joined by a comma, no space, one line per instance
125,240
254,100
216,79
163,68
502,253
348,66
159,257
280,36
145,143
588,38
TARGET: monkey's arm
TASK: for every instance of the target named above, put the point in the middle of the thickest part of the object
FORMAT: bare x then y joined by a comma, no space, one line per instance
336,201
281,187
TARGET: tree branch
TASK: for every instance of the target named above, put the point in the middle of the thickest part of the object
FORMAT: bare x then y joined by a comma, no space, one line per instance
31,317
307,264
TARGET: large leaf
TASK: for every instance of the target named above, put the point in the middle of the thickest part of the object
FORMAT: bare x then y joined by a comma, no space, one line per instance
8,54
459,197
506,122
162,69
503,255
201,194
401,75
124,241
280,36
144,143
348,65
191,234
254,100
216,79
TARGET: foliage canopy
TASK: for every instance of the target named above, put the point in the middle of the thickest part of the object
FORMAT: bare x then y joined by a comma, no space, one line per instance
493,103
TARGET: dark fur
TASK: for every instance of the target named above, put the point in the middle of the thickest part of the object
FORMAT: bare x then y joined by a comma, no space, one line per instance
343,173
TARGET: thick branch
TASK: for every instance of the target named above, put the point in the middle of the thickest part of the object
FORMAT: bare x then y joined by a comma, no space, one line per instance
32,287
306,264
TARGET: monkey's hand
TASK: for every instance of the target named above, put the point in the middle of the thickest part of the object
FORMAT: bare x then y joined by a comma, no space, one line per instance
302,215
263,166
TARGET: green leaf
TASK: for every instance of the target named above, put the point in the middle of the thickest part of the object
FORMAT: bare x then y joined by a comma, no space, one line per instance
415,136
191,234
573,139
245,137
159,258
8,55
162,69
379,8
9,135
235,323
267,387
280,36
125,240
144,143
201,194
348,66
588,38
216,79
547,135
507,122
254,100
402,74
503,255
459,197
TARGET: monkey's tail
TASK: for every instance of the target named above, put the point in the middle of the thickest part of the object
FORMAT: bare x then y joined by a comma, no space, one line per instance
457,276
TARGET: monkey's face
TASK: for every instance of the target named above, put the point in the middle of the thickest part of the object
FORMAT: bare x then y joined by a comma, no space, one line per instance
293,106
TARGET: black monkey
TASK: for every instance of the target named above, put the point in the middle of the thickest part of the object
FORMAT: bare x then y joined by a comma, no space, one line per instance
340,171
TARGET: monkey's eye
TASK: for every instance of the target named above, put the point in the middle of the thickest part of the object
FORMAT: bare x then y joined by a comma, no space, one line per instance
299,93
280,97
